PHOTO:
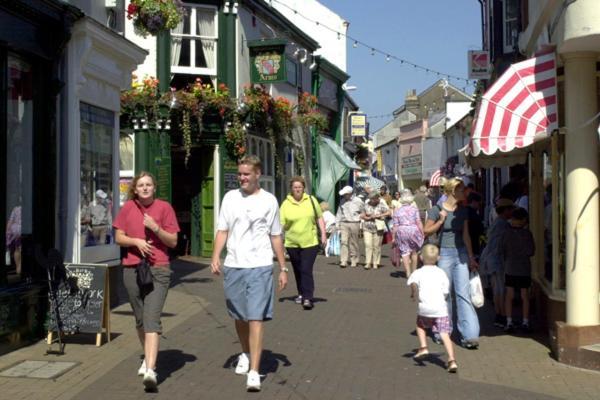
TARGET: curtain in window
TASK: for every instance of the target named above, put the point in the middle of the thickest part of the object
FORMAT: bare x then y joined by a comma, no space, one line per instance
206,28
176,42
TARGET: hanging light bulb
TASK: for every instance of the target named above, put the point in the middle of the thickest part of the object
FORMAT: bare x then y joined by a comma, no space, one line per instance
338,35
387,58
355,45
372,51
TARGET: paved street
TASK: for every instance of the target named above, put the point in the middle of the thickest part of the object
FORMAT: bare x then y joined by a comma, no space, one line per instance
356,344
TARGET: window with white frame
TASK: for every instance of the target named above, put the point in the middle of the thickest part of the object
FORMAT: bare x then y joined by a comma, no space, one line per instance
194,42
97,127
263,149
510,11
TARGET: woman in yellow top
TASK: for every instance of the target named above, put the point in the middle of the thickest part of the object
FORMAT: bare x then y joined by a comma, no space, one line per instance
300,214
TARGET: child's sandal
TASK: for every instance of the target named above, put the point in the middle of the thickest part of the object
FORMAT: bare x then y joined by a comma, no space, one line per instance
421,352
452,366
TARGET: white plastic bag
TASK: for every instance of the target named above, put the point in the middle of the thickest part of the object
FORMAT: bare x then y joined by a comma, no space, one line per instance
476,290
333,244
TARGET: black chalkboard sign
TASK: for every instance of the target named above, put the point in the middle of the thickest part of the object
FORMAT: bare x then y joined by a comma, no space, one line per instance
82,299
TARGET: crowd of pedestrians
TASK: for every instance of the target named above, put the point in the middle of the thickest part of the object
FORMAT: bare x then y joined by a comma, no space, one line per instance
445,236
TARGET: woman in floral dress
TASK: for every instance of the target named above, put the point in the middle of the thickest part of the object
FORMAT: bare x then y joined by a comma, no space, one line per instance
408,231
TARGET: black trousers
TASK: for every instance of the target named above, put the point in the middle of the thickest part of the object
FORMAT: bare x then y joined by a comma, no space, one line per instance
303,260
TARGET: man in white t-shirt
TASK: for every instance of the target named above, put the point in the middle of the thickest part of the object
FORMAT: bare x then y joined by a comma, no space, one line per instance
430,287
249,225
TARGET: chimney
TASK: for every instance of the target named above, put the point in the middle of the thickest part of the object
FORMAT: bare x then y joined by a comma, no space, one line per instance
412,101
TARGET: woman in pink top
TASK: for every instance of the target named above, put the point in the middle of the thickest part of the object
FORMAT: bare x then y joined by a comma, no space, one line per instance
146,227
408,231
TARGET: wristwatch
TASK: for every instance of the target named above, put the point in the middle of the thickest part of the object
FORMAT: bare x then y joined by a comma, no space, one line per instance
284,269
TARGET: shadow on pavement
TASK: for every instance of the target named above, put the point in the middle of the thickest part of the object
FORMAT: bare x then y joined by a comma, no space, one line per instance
431,358
269,362
170,361
293,298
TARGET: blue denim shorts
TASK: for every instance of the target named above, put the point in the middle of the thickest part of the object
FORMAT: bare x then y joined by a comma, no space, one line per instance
249,293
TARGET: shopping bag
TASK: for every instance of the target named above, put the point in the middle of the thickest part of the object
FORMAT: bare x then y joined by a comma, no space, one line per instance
333,244
387,237
476,290
396,256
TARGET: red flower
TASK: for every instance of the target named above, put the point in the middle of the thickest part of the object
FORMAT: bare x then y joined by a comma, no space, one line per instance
132,9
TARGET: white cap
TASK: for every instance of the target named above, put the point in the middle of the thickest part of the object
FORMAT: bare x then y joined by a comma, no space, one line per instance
100,193
346,190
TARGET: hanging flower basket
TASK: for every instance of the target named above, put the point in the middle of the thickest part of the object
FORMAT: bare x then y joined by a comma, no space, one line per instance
153,16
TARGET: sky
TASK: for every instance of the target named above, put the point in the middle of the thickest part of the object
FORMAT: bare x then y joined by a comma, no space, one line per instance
433,33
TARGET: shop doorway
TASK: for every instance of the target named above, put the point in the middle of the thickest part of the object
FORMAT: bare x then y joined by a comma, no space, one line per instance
193,200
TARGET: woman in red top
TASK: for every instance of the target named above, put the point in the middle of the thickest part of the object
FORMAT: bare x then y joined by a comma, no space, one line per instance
146,227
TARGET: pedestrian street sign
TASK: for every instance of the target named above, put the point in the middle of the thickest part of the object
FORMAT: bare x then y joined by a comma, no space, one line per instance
358,124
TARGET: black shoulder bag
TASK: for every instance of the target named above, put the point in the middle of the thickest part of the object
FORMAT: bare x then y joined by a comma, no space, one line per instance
316,222
142,270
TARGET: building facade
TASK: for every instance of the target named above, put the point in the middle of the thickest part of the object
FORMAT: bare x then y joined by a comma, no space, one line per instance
562,166
59,124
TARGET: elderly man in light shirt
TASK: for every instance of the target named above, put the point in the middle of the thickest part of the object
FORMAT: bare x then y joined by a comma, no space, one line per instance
348,221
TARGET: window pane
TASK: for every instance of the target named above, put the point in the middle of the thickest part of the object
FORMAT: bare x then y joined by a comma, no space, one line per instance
206,22
203,50
512,9
19,162
180,52
185,27
96,176
291,72
126,153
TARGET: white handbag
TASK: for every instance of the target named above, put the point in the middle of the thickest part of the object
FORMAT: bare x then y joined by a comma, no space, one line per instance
476,290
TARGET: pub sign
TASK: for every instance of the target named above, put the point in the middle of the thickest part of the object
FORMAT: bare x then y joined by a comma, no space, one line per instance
267,61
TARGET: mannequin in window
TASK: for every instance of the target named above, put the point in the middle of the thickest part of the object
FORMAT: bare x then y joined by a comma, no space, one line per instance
100,217
13,237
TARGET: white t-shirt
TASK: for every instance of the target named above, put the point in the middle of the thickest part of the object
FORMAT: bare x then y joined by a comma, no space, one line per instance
251,220
433,287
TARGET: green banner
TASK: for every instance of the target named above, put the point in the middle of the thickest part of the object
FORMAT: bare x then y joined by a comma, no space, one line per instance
267,61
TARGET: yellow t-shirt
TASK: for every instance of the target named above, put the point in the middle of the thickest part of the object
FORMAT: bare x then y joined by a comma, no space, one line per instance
298,220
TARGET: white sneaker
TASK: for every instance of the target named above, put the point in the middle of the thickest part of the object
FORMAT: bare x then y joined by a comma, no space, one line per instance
150,380
253,381
243,364
142,370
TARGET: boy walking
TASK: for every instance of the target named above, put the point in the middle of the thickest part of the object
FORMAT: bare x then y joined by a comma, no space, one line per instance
491,259
249,225
430,287
516,249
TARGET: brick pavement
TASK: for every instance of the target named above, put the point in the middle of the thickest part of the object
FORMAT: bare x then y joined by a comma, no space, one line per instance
355,344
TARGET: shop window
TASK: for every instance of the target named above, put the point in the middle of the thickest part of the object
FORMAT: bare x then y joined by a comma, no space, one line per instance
19,163
97,127
126,165
194,42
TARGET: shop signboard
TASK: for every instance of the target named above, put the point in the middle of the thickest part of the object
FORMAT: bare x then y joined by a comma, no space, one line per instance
479,64
267,61
230,179
358,125
411,165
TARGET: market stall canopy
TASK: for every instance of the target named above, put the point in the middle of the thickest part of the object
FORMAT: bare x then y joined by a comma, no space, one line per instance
374,183
333,165
518,109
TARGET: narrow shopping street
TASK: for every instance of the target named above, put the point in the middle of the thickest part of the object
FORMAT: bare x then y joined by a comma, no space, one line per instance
355,344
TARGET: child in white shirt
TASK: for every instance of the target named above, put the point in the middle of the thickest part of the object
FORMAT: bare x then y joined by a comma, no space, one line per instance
430,286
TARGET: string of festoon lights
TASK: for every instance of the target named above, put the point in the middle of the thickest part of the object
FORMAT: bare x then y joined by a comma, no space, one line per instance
388,56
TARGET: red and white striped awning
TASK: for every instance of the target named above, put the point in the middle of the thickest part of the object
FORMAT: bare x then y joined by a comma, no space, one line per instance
435,178
519,108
